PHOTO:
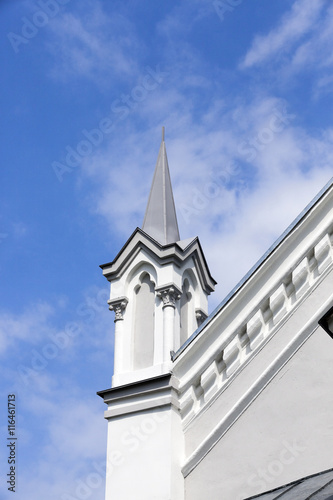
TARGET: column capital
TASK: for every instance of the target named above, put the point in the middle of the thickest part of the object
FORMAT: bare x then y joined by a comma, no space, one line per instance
169,294
118,305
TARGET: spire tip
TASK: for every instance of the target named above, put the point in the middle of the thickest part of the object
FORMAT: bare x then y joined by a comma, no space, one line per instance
160,220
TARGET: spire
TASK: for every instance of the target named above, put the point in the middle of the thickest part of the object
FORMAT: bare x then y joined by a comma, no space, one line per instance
160,220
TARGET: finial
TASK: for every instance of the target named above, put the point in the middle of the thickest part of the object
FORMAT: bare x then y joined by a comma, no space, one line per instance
163,130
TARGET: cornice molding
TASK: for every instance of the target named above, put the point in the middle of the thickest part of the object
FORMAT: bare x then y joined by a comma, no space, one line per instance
162,254
139,396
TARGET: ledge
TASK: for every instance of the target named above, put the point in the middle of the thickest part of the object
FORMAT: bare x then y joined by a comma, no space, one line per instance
134,388
139,396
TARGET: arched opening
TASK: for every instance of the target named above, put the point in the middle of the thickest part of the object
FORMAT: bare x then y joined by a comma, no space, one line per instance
143,328
185,312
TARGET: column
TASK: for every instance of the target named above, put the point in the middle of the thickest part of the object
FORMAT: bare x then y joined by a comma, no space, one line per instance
169,295
118,306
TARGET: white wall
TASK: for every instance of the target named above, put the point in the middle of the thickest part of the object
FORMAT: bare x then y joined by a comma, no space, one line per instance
286,434
145,450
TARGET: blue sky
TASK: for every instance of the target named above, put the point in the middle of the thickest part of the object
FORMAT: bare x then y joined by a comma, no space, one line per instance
245,91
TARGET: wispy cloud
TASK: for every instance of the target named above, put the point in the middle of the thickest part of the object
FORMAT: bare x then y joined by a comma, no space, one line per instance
28,326
183,17
62,435
219,184
317,50
69,443
299,46
93,45
300,20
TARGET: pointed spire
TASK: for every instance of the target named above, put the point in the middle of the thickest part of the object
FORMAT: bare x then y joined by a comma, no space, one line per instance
160,220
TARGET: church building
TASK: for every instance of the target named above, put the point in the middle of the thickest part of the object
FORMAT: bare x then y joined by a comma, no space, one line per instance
233,405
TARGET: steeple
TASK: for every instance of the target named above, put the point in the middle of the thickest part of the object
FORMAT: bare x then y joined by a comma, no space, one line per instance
160,219
159,287
159,295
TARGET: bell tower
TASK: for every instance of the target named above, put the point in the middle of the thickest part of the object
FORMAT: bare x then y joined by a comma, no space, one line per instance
159,287
159,293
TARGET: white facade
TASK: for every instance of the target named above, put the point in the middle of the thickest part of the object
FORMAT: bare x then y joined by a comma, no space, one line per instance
244,402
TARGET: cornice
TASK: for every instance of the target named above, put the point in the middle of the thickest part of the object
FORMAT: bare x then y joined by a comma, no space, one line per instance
163,254
139,396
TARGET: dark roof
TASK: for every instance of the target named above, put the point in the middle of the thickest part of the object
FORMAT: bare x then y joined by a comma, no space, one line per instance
316,487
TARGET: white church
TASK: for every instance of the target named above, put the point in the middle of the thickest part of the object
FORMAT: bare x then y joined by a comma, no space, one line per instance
233,405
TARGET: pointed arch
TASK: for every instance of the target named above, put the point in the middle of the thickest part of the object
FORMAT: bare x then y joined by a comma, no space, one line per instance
187,305
143,327
185,311
135,275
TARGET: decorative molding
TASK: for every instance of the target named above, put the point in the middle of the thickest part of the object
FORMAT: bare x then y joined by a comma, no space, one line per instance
175,253
118,306
250,336
200,316
247,398
169,294
139,396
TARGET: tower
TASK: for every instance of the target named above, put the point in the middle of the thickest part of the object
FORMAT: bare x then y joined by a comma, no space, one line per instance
159,287
159,294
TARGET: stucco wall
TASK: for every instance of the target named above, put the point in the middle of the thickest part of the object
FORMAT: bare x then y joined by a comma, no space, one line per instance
144,453
285,434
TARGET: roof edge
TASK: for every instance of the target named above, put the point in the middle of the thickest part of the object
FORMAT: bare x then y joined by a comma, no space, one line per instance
256,266
293,483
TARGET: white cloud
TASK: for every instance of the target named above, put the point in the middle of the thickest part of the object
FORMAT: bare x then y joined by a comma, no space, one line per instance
61,431
92,45
40,348
227,198
255,224
300,44
68,439
308,51
183,17
300,20
62,485
316,51
28,326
